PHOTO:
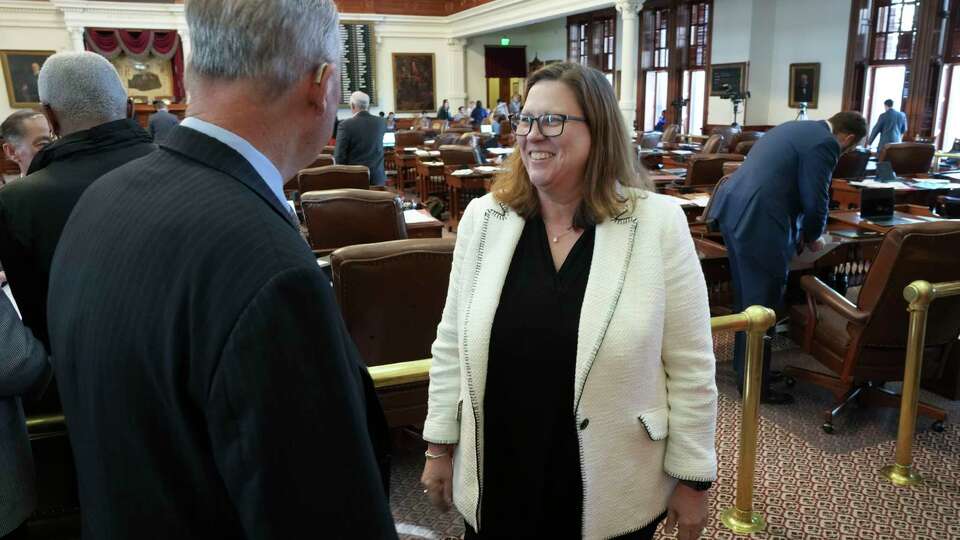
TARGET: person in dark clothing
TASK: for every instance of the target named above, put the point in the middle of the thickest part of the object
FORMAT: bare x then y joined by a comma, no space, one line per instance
478,114
161,122
776,202
443,113
211,386
95,138
360,140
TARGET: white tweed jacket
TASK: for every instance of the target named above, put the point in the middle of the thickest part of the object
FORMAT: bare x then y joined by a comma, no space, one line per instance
644,397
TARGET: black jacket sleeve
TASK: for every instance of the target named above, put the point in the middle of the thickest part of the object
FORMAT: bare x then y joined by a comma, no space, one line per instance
286,413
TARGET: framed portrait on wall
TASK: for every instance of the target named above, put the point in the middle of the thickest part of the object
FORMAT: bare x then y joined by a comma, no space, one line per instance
414,82
21,69
804,85
726,78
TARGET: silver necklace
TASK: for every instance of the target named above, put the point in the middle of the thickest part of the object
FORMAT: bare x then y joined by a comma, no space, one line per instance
557,238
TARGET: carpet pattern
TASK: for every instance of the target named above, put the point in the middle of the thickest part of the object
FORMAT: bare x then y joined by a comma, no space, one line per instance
809,485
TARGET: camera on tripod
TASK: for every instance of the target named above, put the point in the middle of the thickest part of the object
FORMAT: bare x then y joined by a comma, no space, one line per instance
733,94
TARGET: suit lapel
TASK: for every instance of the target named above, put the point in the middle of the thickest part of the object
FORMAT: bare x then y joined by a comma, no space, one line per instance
499,233
214,154
608,270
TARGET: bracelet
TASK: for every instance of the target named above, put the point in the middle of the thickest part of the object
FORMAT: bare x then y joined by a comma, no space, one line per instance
428,455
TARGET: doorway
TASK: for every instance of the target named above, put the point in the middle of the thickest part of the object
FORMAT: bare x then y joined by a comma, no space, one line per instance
506,72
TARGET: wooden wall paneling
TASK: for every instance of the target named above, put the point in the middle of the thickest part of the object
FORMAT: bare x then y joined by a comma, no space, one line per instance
434,8
925,69
858,55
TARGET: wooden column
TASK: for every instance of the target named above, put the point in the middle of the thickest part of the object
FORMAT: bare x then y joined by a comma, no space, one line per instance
925,70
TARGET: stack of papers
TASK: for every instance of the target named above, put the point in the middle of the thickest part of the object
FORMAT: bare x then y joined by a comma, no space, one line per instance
462,172
875,184
416,216
432,163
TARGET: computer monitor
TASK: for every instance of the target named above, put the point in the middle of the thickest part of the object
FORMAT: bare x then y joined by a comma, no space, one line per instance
486,128
389,139
877,203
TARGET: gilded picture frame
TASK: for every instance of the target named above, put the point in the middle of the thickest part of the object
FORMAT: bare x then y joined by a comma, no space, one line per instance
20,72
414,82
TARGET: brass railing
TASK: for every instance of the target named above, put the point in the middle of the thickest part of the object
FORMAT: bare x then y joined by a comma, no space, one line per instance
755,320
920,294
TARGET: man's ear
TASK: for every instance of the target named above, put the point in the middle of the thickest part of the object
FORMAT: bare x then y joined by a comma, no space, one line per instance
323,85
10,152
51,119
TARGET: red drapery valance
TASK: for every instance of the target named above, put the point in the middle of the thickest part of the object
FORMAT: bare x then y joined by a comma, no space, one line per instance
140,44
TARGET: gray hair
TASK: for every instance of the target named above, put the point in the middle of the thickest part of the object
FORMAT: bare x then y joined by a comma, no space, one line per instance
360,100
12,129
83,88
276,42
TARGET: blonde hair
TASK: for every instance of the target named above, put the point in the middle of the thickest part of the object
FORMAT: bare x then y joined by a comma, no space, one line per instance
611,163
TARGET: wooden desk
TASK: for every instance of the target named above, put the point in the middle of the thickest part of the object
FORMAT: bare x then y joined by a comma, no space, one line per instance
430,179
850,219
848,196
422,229
463,189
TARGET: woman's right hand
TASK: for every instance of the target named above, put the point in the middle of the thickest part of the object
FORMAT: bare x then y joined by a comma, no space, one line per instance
437,478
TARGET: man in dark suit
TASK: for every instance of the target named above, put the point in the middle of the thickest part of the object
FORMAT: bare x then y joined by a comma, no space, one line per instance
890,126
95,138
360,139
161,122
211,387
777,201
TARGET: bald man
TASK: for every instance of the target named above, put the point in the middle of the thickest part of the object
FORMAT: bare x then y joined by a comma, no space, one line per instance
85,104
24,133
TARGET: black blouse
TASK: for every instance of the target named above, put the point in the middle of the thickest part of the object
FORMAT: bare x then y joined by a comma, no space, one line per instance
532,486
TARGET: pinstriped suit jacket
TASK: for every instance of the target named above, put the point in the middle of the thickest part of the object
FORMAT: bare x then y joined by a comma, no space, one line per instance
23,371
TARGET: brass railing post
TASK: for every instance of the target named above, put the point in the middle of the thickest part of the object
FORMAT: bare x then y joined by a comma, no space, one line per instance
741,519
919,294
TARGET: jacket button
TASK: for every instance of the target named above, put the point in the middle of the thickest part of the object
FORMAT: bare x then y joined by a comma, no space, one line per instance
584,424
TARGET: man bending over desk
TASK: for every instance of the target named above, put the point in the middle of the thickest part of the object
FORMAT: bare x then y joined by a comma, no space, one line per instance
779,197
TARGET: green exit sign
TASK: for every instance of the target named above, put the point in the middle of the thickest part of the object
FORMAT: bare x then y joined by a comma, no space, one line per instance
504,41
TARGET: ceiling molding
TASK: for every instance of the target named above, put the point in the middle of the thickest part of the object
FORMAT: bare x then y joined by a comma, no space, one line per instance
506,14
90,14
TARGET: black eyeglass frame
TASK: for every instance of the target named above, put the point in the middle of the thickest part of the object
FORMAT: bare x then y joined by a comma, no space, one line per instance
537,119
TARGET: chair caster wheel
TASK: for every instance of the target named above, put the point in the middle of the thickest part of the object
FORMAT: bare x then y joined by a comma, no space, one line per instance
827,428
789,381
937,426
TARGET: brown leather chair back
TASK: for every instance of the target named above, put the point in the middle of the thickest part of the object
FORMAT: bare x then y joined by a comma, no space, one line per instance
650,139
405,139
712,146
852,164
393,324
322,160
908,157
743,147
744,136
345,217
669,134
705,170
460,130
727,133
457,155
334,177
925,251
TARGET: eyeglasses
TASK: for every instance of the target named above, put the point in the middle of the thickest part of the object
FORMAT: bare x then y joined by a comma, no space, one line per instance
549,125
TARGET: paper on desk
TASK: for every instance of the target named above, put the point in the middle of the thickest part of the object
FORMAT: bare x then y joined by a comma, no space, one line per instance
462,172
500,151
681,152
416,216
422,153
429,142
410,149
432,163
487,169
434,153
700,200
875,184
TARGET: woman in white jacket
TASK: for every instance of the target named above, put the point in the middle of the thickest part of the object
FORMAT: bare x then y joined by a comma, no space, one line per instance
572,391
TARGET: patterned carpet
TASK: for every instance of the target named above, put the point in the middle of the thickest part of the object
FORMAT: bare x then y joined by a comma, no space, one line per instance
809,485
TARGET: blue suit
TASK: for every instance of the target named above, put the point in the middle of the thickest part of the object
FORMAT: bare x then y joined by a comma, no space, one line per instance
777,199
23,371
891,126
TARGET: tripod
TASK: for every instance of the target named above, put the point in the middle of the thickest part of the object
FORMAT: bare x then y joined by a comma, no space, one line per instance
802,115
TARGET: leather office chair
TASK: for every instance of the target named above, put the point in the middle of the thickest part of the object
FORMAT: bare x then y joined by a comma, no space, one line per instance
743,136
743,147
727,133
712,146
650,139
852,164
334,177
408,139
861,338
322,160
401,325
908,157
705,170
460,130
457,155
345,217
448,138
670,135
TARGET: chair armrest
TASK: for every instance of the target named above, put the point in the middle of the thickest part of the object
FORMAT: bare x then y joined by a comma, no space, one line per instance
400,373
822,294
